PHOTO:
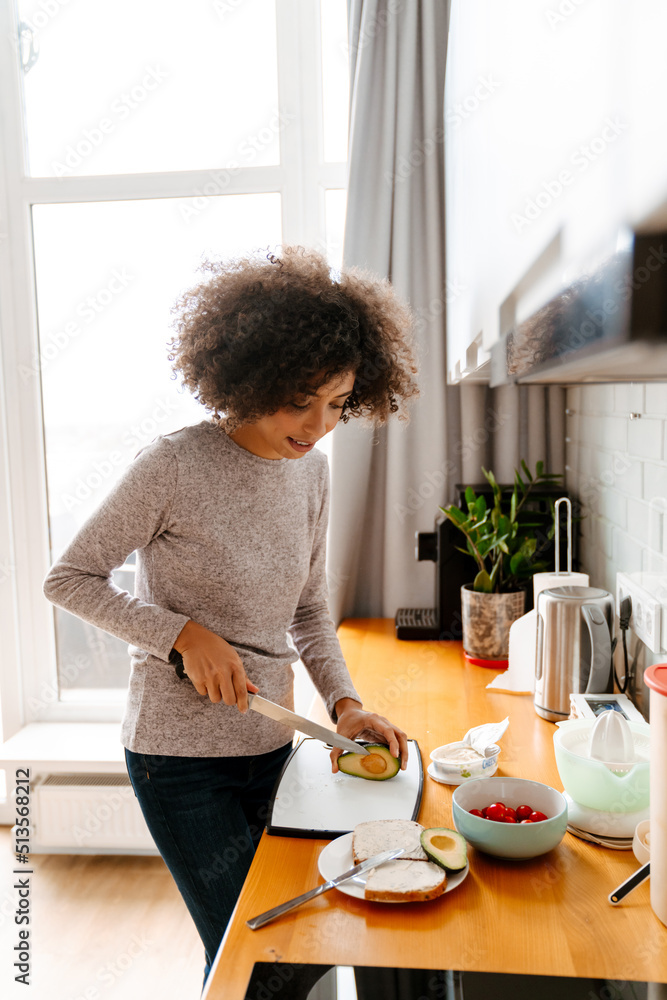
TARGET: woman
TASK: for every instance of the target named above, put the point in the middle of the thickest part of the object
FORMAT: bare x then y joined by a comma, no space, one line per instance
228,519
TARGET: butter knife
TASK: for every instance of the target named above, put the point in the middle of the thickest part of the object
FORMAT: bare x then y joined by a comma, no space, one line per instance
291,904
301,725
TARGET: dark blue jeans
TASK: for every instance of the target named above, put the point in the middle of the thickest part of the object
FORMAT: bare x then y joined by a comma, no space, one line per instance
206,816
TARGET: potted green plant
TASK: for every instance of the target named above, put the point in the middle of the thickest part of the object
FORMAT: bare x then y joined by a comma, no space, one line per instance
505,541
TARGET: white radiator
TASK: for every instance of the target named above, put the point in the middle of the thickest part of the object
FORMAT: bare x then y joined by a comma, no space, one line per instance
87,814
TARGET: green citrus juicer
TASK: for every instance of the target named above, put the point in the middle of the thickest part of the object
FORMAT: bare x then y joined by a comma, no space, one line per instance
604,766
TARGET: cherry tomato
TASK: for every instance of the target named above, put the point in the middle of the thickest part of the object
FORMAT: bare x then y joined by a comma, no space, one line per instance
523,812
510,815
537,817
477,812
496,811
526,821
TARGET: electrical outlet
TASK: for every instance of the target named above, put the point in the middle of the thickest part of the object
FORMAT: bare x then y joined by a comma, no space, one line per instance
648,592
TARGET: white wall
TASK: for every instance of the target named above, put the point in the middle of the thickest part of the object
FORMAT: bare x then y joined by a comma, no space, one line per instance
617,466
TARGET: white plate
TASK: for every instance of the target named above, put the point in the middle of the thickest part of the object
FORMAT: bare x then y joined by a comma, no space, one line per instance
337,858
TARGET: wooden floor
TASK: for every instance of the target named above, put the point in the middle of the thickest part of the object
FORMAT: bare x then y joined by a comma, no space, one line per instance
103,927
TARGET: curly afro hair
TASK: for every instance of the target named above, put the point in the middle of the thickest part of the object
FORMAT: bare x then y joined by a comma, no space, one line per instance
261,331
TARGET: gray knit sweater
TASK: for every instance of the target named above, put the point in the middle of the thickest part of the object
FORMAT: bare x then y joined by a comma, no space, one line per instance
226,538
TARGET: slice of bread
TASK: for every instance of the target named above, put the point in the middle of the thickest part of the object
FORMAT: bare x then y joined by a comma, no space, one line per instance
402,881
379,835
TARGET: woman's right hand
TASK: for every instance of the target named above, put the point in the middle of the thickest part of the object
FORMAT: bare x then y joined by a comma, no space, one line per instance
213,666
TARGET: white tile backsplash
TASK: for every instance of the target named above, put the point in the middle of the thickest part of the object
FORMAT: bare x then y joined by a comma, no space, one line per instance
656,397
644,437
655,481
616,467
628,398
614,432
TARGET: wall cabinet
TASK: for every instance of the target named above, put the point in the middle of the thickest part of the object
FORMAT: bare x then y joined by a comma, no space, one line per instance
555,140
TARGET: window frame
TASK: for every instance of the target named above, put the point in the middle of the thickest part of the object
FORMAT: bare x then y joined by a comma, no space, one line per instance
29,690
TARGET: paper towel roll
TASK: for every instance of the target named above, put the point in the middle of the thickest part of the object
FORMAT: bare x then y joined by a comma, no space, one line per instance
519,678
544,581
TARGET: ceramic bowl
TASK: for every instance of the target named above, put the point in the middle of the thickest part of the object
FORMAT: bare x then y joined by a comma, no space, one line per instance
510,840
642,850
455,773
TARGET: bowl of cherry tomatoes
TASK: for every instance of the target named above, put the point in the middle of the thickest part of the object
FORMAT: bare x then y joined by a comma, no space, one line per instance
511,818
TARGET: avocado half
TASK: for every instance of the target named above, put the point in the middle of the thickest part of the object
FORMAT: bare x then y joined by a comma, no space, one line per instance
378,765
446,847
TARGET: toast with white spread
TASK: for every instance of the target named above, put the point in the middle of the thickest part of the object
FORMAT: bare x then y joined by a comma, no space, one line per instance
379,835
402,881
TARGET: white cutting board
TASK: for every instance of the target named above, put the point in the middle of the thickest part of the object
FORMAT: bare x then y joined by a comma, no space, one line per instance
310,801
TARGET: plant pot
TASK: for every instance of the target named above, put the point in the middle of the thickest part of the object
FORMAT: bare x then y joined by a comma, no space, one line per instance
486,622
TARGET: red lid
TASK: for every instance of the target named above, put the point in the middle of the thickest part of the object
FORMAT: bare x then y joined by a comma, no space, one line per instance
656,677
493,664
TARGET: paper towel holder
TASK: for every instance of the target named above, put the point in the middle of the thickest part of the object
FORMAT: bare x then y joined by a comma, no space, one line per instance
568,503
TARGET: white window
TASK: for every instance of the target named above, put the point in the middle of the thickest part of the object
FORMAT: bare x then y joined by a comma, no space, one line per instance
140,137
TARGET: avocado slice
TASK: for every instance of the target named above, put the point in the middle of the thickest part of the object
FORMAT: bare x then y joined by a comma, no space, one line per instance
378,765
446,847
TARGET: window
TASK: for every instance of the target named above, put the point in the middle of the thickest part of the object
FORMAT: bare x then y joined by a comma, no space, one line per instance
141,138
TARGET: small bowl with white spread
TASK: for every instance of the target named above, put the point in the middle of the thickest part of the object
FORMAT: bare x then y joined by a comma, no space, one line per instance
454,763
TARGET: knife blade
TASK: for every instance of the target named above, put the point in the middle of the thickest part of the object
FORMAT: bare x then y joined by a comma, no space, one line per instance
291,904
301,725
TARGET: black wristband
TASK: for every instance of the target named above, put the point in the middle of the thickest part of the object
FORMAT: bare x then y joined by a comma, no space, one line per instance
176,658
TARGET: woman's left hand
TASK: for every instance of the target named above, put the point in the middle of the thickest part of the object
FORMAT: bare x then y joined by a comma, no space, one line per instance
353,722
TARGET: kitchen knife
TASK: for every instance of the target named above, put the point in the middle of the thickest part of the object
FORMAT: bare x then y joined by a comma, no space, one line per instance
294,721
284,716
630,883
291,904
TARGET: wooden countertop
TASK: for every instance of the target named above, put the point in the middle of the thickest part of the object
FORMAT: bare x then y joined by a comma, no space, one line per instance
546,916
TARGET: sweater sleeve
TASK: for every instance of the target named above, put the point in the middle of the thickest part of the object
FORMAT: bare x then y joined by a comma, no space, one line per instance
312,628
135,512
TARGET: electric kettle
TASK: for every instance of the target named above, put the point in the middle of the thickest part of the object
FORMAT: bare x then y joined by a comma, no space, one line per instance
573,652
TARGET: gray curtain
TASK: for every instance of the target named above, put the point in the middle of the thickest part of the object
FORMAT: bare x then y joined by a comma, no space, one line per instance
387,483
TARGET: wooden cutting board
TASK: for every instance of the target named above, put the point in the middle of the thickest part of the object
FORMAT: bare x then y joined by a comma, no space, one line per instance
310,801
